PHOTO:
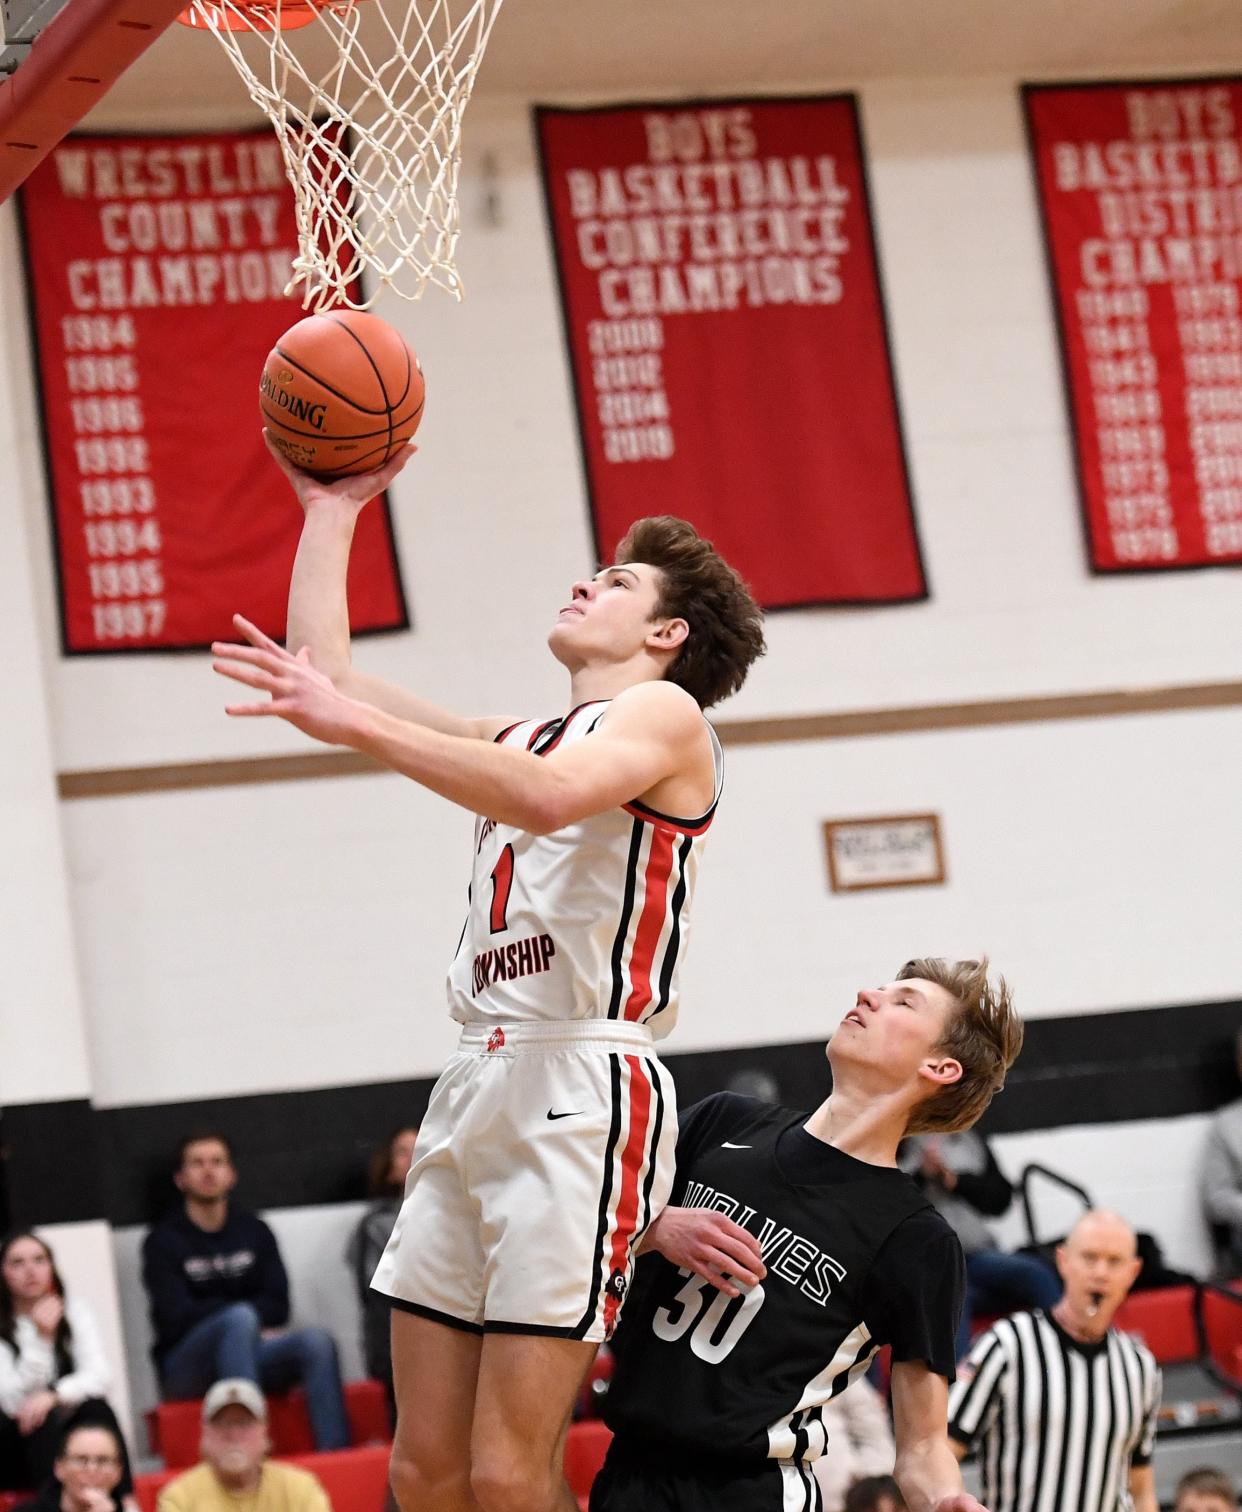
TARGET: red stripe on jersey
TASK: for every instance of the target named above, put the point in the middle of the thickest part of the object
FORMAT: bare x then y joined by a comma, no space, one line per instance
542,730
666,821
650,922
625,1221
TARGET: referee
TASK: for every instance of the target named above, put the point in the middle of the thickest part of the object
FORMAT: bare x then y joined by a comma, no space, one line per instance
1062,1406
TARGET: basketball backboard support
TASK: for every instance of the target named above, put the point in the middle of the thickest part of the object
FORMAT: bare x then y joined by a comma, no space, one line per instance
59,59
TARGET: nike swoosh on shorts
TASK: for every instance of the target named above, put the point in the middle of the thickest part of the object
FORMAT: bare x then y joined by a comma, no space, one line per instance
573,1113
729,1145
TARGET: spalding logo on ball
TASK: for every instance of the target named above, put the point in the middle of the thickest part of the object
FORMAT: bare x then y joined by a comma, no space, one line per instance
341,393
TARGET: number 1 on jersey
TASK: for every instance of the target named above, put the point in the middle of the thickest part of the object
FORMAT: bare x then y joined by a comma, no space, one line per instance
502,884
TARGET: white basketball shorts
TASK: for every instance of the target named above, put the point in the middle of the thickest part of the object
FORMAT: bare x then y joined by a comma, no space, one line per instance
546,1151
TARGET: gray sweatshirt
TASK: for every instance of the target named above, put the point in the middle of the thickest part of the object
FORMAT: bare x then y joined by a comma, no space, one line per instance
1220,1181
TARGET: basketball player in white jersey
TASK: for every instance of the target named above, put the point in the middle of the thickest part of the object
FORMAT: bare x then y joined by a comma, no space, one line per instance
548,1146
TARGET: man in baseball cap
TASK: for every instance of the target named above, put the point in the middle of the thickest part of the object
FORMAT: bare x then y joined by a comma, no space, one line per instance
236,1475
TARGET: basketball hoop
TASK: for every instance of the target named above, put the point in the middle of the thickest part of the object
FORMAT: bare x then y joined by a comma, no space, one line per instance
369,128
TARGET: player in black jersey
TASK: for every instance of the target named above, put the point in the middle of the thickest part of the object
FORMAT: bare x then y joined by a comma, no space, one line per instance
792,1251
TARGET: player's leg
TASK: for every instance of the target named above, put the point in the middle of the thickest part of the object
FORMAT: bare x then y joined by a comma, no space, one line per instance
432,1271
527,1387
435,1373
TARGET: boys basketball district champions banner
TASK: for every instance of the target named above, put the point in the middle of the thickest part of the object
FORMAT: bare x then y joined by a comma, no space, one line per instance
1140,187
726,329
156,271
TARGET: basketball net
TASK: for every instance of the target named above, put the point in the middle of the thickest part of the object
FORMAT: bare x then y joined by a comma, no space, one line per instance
370,130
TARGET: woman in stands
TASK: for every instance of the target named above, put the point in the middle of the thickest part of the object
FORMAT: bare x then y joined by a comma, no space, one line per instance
53,1371
390,1165
88,1473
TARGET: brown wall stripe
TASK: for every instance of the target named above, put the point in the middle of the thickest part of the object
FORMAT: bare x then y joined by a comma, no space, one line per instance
126,781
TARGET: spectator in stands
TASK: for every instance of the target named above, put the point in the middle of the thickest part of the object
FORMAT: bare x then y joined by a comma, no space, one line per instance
87,1473
390,1165
875,1493
1205,1491
1220,1180
236,1472
963,1182
53,1370
1074,1398
860,1444
219,1298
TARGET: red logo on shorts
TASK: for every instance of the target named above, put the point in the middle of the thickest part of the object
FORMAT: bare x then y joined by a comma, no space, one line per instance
495,1040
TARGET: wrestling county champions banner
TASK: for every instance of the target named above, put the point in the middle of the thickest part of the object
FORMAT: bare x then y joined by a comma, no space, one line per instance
156,270
1140,187
726,329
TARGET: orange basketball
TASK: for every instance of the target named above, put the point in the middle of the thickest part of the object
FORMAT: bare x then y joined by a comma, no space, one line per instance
341,393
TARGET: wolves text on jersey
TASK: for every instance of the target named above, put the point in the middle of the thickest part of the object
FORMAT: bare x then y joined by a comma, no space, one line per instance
518,959
786,1254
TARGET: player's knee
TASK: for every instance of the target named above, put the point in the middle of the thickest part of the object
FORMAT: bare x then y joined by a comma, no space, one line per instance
425,1477
242,1318
510,1484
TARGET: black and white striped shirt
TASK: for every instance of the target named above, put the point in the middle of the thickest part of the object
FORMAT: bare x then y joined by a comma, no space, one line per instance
1059,1424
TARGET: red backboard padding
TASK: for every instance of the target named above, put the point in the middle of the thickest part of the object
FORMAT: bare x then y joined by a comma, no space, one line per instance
77,57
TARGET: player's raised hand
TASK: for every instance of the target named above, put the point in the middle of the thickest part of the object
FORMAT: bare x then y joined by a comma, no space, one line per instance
352,492
299,693
713,1246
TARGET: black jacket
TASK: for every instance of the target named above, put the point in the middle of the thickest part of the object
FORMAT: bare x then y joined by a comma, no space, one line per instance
190,1274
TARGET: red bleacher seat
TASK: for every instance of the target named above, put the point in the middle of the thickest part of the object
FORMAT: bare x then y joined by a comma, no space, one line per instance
174,1428
356,1480
1222,1328
1164,1319
11,1498
586,1444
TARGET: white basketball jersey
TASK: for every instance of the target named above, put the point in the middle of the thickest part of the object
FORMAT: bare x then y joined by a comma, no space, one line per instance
587,923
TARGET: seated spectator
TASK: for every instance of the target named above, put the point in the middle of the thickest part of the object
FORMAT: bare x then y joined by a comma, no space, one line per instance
860,1443
1205,1491
963,1182
390,1165
875,1493
1220,1181
219,1298
53,1370
235,1472
87,1472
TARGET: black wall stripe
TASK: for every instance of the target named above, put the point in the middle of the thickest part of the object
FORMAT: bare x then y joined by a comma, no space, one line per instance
67,1162
50,1164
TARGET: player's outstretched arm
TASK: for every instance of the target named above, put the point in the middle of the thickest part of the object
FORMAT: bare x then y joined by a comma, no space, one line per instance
652,732
927,1469
318,607
709,1244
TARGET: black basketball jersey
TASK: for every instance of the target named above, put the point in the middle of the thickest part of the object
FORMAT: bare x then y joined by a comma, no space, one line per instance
856,1258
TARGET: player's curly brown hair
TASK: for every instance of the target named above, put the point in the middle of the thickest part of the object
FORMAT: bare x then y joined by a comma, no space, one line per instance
983,1033
699,586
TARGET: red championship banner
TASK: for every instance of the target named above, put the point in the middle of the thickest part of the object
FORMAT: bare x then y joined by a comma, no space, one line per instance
726,328
156,270
1140,188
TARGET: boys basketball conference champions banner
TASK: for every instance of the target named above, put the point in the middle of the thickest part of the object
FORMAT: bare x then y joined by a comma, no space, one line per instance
156,271
726,329
1141,192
